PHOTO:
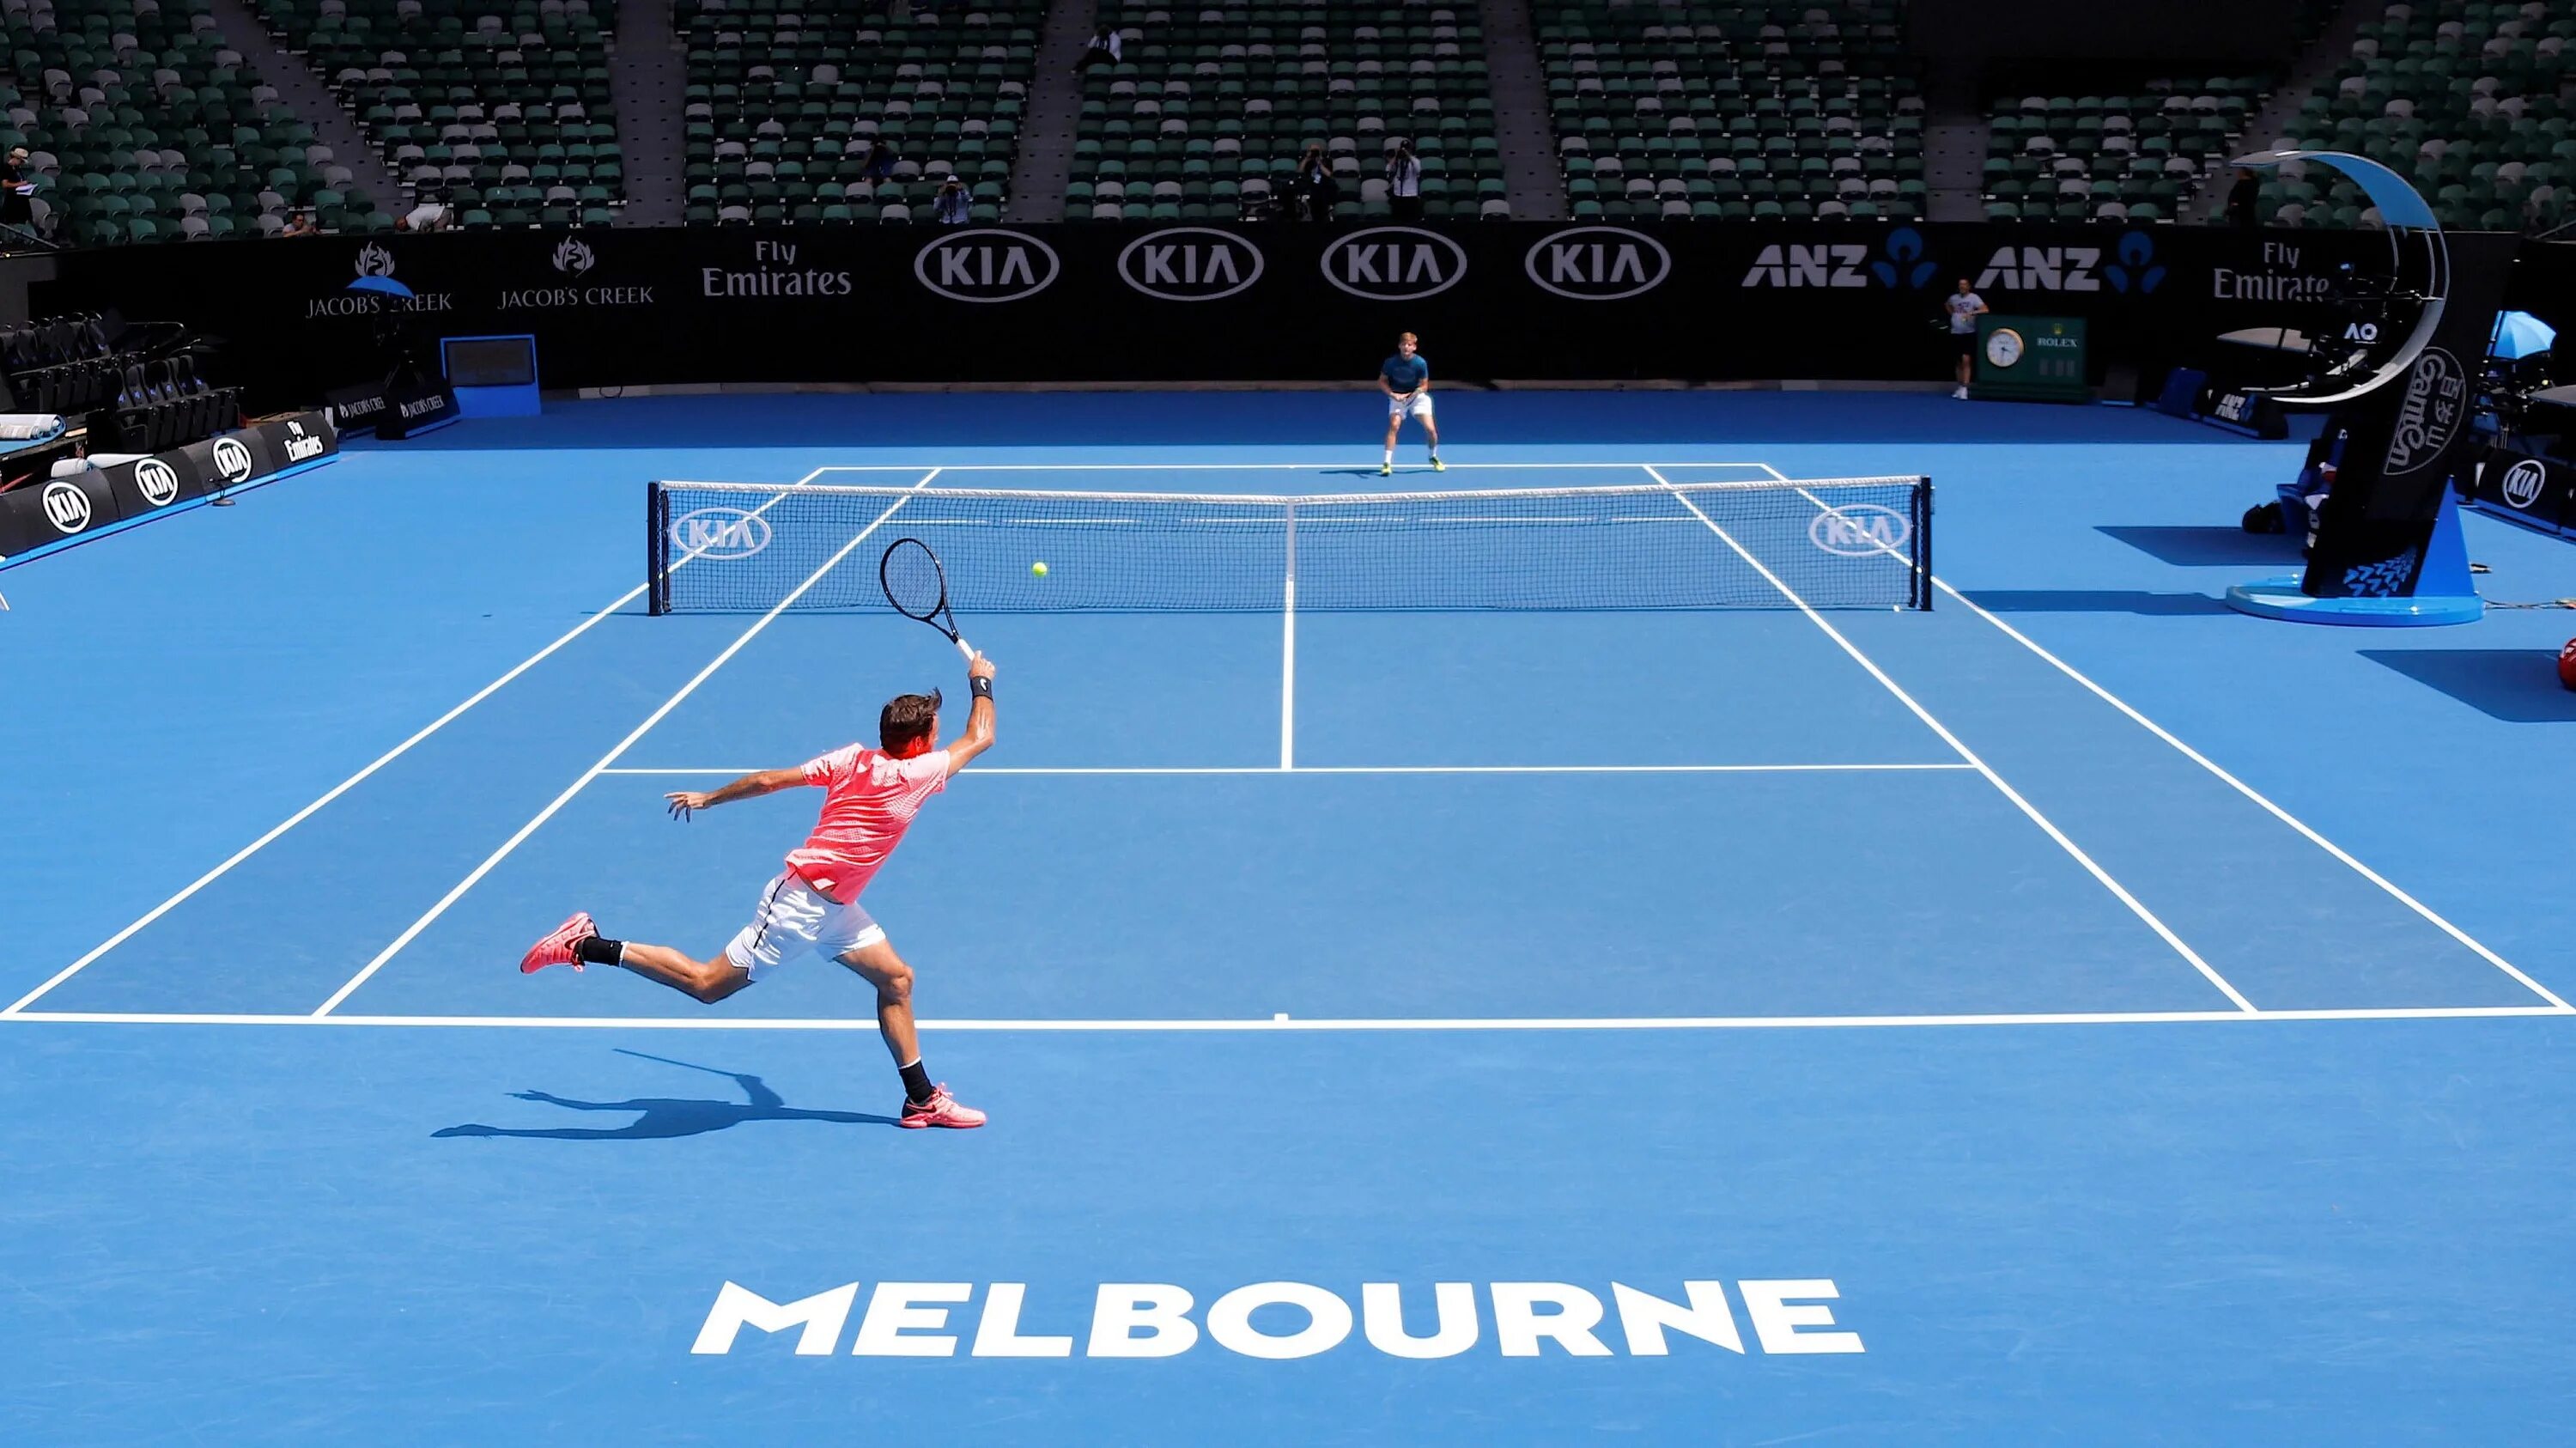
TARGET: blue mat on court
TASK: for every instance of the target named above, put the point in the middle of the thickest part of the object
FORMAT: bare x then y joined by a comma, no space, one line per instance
2077,1013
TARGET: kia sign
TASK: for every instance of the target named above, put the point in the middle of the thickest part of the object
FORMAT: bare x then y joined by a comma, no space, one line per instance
1395,263
66,507
720,533
1190,264
986,264
1598,263
232,460
157,481
2523,483
1860,530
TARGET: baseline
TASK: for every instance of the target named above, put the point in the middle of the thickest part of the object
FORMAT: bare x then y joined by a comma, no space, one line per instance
1316,1023
984,770
2047,826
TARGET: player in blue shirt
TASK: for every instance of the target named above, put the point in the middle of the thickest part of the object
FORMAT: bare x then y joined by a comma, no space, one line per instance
1406,380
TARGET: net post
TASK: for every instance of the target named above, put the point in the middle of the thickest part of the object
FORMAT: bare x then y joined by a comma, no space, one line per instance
657,535
1923,543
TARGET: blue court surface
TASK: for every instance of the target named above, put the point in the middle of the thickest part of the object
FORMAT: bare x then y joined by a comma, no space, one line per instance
2078,1013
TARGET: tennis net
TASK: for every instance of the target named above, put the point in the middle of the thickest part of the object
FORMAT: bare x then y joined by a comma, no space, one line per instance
1834,543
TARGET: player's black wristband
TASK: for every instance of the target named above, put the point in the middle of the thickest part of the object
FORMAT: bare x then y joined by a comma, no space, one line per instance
980,688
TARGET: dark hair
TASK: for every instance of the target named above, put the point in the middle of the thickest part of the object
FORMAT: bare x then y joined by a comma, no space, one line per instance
906,718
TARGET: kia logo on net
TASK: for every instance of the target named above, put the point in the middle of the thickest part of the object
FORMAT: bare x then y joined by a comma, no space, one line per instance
1190,264
1599,263
986,264
1860,530
2523,482
157,481
66,507
1395,263
232,460
720,533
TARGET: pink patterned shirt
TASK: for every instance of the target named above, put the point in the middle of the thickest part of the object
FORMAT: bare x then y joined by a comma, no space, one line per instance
869,801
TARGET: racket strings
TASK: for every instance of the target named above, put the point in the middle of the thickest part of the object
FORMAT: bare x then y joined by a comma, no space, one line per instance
913,581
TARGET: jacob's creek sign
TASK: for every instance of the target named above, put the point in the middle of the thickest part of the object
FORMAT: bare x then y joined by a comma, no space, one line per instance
1277,1321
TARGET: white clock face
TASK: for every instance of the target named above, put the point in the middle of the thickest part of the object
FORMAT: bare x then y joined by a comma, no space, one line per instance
2003,346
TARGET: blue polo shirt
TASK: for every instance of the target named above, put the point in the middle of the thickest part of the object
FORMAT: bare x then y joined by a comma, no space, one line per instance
1404,374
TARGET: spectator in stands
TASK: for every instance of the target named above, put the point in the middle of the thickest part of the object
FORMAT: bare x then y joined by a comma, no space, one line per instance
1964,307
16,187
299,222
1105,48
950,208
1314,188
880,162
2243,197
1404,182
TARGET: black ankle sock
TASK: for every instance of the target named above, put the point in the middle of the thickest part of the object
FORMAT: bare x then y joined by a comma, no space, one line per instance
599,950
916,1083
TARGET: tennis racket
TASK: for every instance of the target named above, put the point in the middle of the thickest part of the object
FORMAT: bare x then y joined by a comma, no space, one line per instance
918,588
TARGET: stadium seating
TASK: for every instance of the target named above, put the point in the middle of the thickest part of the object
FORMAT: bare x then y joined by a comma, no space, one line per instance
2113,157
1733,111
501,107
2468,101
1211,107
787,98
146,126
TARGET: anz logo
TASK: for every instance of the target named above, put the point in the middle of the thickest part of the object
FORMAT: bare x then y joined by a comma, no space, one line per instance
720,533
1833,264
986,264
1598,263
1190,264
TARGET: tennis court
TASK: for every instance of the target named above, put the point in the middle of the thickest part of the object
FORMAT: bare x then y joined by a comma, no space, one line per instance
1788,1019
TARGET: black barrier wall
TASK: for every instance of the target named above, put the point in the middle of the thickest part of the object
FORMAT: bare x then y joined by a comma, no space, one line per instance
40,514
1694,301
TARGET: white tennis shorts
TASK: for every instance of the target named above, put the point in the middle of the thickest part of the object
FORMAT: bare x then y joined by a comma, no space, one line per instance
1418,405
794,918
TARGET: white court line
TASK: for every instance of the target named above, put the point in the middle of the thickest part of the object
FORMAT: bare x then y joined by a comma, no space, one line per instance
983,771
2231,781
2047,826
1220,467
1319,1023
337,790
1288,650
412,932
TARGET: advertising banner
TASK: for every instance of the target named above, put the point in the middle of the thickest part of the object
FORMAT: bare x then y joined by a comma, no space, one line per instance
1256,302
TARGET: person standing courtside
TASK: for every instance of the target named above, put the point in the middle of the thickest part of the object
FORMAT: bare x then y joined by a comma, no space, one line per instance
1404,182
1964,307
1405,378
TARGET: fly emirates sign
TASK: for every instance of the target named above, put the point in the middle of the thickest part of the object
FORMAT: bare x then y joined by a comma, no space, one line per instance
1284,1320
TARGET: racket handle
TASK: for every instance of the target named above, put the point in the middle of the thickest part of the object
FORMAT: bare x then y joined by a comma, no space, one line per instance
965,648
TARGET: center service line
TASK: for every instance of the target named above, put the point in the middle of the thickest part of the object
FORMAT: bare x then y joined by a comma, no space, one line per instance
2047,826
352,782
412,932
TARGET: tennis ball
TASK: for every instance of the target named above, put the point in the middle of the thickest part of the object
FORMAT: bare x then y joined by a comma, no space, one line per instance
1038,568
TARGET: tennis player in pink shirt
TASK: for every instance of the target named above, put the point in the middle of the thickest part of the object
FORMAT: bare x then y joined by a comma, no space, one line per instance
869,799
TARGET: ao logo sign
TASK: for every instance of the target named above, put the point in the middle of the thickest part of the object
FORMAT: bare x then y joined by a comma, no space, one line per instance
1860,530
157,481
720,533
1599,263
66,507
1190,264
232,460
1395,263
2522,485
986,264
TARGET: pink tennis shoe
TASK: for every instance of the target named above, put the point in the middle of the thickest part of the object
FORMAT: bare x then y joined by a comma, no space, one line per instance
556,948
941,1109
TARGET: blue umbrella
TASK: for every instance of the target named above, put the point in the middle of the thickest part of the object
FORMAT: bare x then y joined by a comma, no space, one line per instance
2520,334
392,288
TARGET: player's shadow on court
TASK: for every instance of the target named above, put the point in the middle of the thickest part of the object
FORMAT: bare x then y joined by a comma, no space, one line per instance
661,1117
2514,686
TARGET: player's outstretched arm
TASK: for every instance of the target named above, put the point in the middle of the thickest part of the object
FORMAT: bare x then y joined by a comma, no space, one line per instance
751,786
979,719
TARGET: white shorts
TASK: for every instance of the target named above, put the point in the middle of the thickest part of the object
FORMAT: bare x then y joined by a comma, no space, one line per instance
1418,405
794,918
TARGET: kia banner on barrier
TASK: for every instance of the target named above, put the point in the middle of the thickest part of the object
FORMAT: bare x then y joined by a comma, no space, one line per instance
40,514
